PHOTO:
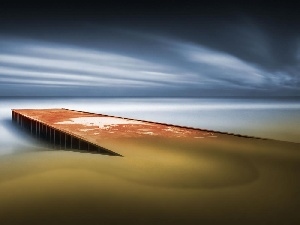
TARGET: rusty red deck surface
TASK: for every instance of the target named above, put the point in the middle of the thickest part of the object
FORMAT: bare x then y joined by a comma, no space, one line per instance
96,127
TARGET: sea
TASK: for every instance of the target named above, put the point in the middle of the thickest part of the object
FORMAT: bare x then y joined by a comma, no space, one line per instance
273,118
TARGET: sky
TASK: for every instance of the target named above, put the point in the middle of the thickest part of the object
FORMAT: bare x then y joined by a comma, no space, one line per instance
150,48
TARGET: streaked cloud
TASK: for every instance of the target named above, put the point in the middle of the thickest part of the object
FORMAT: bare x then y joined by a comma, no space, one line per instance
223,67
188,67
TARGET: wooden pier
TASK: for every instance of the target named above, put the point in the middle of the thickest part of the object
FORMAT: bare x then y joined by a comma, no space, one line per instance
70,129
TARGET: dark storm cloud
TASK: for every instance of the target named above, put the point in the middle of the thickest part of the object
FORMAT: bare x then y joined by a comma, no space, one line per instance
150,49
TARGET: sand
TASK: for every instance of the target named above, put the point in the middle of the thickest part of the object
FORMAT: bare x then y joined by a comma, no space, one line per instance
224,180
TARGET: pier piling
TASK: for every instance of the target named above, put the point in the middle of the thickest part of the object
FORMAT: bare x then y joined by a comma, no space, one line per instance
83,131
56,138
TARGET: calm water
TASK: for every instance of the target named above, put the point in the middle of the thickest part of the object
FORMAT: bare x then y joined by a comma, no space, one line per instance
269,118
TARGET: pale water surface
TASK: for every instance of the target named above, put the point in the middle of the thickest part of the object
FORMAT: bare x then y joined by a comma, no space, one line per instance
275,118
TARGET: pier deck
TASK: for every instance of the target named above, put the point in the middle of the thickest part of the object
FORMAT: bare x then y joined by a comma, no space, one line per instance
70,129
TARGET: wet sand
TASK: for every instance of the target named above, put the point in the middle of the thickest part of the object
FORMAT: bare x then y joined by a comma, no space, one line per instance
224,180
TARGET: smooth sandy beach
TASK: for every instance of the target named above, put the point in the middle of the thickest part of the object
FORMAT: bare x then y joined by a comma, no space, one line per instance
224,180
